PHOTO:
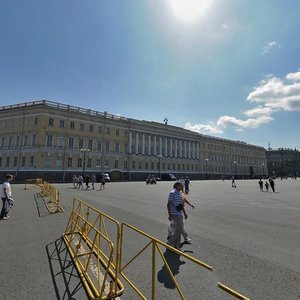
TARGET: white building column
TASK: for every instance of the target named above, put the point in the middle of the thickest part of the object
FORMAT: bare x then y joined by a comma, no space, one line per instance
171,148
189,150
155,145
130,142
143,144
160,145
149,145
180,148
137,143
185,150
166,146
176,148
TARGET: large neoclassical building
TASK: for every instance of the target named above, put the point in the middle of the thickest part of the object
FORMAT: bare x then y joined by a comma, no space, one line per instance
54,141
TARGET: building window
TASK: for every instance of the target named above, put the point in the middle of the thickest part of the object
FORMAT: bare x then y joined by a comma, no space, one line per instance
117,132
9,141
33,140
62,123
146,165
0,161
91,128
23,161
152,165
116,164
125,164
31,162
80,144
18,141
51,122
90,144
133,164
36,121
81,126
70,162
178,167
60,142
89,163
99,146
49,140
140,165
59,162
71,143
98,163
99,129
107,130
107,146
25,141
47,162
117,148
7,161
15,161
126,148
79,163
72,125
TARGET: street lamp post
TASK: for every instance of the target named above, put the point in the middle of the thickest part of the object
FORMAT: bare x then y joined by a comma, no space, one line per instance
263,166
159,157
206,161
84,151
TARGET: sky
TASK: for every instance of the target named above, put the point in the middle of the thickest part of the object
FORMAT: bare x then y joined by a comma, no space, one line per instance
226,68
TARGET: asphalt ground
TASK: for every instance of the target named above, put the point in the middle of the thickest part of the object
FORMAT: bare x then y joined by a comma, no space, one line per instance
250,238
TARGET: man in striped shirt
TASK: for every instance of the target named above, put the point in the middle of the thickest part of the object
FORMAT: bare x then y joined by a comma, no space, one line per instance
175,213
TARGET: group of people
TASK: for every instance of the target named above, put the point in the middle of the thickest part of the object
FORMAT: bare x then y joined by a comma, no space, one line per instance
6,197
79,180
268,182
176,211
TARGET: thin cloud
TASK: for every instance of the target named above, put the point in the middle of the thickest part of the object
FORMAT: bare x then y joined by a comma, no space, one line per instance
268,47
272,95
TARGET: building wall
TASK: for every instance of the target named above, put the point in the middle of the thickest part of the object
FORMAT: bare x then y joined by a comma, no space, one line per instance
47,139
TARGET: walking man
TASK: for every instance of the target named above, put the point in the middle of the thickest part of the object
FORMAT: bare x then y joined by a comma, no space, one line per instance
175,205
7,201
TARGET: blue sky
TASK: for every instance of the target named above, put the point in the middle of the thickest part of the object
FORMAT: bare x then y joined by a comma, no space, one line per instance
225,68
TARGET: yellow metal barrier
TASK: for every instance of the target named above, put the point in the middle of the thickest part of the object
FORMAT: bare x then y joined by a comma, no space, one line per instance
48,190
154,244
31,182
87,239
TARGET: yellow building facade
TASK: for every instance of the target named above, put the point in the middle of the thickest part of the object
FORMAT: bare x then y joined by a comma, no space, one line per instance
55,141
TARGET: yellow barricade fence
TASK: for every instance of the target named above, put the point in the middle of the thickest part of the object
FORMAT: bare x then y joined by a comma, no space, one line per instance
31,182
155,246
90,237
50,191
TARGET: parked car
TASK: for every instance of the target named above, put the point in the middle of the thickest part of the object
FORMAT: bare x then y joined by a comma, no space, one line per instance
168,177
106,177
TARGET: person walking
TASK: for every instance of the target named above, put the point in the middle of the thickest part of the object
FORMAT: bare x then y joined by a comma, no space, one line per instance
187,185
93,181
175,215
87,181
75,180
233,182
267,186
7,201
102,186
185,201
272,184
261,185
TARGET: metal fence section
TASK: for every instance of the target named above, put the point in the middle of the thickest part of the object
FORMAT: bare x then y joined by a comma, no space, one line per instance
48,190
155,246
92,239
33,182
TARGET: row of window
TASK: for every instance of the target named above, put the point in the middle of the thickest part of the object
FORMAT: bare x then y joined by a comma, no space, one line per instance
17,141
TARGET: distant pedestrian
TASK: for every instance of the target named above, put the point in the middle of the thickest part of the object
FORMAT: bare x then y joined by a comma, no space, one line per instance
75,181
267,186
261,185
80,182
102,185
272,184
187,185
87,181
6,194
233,182
93,181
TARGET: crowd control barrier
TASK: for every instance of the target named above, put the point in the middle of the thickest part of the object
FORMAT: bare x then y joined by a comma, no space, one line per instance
32,182
48,190
90,237
96,243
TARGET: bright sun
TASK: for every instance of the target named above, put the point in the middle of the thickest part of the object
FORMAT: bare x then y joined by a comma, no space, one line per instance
189,10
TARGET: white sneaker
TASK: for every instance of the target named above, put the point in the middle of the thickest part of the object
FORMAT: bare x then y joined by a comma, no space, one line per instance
187,240
5,218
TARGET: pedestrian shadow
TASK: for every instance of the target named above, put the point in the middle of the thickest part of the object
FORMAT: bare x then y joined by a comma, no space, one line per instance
66,280
174,262
41,205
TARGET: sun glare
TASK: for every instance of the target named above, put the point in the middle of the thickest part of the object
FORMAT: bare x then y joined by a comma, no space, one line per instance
189,10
